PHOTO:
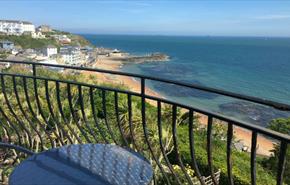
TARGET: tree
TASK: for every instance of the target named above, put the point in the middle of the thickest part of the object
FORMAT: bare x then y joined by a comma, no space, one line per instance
280,125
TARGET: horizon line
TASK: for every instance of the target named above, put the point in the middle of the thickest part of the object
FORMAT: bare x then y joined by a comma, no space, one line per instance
177,35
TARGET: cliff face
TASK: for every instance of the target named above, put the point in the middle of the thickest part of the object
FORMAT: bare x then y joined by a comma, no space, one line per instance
79,40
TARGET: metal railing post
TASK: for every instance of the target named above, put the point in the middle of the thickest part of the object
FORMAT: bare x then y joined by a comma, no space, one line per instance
34,69
281,162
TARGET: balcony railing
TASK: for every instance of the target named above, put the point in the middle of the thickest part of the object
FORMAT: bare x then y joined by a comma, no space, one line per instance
39,112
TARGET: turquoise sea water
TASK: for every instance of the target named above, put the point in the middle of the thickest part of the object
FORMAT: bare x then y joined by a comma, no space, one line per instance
252,66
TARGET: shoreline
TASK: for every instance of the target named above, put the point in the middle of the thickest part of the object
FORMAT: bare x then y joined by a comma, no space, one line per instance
264,145
110,63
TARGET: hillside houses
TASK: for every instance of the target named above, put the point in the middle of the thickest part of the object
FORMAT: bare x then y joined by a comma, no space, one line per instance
50,50
71,55
57,46
62,39
44,28
6,45
12,27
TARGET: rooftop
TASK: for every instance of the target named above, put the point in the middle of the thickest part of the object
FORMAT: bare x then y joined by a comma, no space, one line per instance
15,21
6,42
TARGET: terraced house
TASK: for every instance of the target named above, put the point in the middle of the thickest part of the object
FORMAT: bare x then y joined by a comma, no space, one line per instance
13,27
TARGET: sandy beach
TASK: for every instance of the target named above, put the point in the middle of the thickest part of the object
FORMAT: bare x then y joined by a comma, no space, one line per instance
264,145
111,63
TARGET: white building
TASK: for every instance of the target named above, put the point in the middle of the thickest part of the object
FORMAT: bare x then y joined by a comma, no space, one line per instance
62,39
6,45
37,35
44,28
12,27
49,50
70,55
116,53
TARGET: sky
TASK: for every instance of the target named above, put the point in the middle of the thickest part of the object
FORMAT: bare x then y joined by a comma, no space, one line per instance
156,17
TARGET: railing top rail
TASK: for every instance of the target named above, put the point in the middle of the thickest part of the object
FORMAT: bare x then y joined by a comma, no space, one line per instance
259,129
276,105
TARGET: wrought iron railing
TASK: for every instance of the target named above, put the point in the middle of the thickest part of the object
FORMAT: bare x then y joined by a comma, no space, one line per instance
38,112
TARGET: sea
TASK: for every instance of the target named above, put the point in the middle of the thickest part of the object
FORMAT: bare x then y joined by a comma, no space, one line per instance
253,66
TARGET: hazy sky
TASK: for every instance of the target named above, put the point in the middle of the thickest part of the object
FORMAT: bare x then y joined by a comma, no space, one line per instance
168,17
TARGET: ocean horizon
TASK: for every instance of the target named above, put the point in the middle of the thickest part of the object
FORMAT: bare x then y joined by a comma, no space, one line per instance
179,35
253,66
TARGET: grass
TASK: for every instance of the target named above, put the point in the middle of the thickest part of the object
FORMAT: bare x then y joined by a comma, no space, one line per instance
241,160
26,41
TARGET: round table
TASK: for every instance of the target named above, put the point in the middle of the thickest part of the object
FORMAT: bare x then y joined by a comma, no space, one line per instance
84,164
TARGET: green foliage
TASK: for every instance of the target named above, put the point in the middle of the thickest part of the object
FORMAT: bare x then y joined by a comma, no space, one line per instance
60,32
26,41
280,125
3,55
102,126
79,41
241,160
76,40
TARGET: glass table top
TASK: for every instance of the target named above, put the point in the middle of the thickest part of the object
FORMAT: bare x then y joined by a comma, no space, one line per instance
84,164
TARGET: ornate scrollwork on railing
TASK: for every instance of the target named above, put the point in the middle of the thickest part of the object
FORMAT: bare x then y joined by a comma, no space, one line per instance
38,112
